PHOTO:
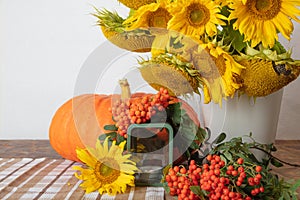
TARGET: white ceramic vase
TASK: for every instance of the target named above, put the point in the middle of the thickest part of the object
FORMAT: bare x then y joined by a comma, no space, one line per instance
239,116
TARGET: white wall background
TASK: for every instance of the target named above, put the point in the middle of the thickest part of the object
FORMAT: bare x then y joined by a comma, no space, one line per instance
43,45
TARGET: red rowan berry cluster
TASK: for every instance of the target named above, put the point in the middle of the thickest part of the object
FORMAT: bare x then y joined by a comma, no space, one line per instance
180,180
244,175
138,110
217,179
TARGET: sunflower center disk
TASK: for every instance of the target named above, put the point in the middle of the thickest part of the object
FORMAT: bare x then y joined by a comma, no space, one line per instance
263,5
198,14
264,9
107,172
159,18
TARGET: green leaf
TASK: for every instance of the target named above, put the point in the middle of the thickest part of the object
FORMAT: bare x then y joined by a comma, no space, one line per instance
296,185
234,38
194,145
279,48
166,169
102,137
276,163
175,43
286,195
110,128
175,112
166,187
273,148
111,135
220,138
224,158
201,134
120,139
196,190
227,155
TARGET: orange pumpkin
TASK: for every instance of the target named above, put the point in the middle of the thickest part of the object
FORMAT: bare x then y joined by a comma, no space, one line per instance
80,121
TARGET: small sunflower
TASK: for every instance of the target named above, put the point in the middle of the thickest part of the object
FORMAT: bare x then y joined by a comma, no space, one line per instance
108,170
195,17
149,16
220,71
260,20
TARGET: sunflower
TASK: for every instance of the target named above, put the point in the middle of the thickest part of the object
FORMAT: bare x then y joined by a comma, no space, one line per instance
135,4
113,29
149,16
263,77
169,71
266,71
260,20
108,170
195,17
220,71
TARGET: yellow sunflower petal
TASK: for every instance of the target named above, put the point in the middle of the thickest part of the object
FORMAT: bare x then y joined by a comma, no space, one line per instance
128,168
85,157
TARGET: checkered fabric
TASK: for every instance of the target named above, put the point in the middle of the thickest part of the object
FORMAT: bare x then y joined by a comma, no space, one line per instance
45,178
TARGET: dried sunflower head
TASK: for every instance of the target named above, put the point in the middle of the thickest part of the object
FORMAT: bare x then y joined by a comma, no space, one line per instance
263,77
266,71
113,29
169,71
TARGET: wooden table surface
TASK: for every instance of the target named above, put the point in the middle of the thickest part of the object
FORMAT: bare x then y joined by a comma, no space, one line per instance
288,150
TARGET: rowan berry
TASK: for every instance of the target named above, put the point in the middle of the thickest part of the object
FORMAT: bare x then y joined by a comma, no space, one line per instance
209,157
251,181
240,161
182,170
256,180
238,183
259,176
258,168
241,169
176,169
230,168
234,173
231,194
240,179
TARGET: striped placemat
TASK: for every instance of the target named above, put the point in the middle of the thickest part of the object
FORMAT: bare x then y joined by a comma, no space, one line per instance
45,178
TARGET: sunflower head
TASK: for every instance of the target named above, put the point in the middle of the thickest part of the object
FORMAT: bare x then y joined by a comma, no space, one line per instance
219,70
107,169
263,77
195,18
154,15
169,71
135,4
113,29
260,20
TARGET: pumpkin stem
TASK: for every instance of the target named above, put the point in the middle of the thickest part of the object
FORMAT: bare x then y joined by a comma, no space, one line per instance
125,89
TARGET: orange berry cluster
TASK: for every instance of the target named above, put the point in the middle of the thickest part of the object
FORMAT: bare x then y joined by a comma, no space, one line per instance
138,110
248,174
218,179
180,179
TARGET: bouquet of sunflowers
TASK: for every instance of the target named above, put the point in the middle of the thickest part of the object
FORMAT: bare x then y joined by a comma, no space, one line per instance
219,47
